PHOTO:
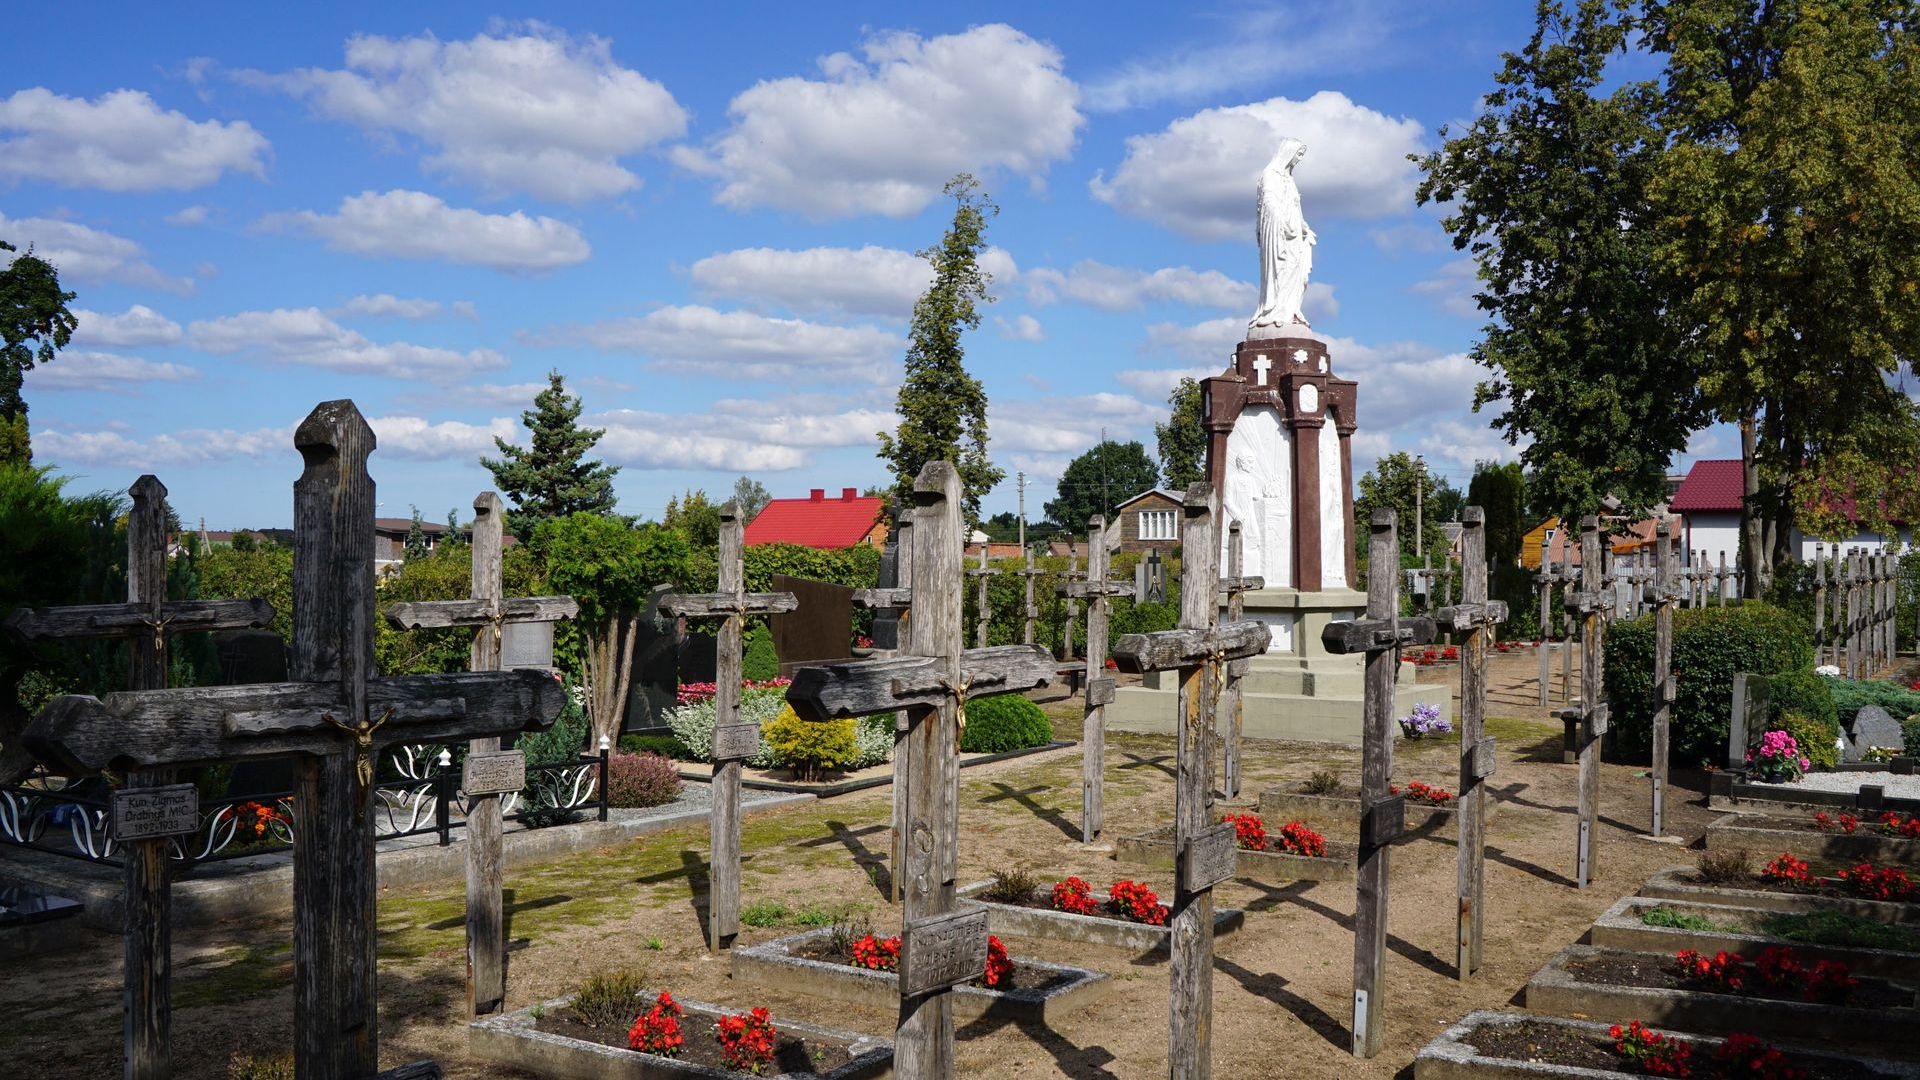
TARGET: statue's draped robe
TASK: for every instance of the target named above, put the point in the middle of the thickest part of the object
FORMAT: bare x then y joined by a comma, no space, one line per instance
1286,245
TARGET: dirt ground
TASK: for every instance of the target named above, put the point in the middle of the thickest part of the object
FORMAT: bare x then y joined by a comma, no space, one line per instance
1282,987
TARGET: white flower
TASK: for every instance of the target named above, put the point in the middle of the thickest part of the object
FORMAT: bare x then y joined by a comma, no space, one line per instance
1831,671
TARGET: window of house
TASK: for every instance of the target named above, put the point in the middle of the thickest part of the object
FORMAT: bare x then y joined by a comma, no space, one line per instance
1159,525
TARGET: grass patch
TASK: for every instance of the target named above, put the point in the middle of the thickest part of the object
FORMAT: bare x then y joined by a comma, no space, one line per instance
1681,920
766,913
609,999
1839,928
241,973
813,916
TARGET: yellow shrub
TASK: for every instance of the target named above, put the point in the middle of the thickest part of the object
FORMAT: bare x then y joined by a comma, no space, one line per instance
808,748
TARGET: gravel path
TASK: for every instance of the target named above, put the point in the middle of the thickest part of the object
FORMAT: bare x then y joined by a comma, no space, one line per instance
1900,786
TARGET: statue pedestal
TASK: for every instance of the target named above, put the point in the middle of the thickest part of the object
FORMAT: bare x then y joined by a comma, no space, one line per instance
1296,690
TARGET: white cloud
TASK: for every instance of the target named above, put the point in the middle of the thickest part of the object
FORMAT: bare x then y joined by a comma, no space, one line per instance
1405,383
1217,337
1260,46
1068,424
537,111
656,441
189,215
1452,287
1115,288
1457,445
196,446
1022,328
1158,383
136,326
870,280
389,306
415,225
86,254
740,344
120,141
79,369
492,395
1198,176
417,437
306,336
882,132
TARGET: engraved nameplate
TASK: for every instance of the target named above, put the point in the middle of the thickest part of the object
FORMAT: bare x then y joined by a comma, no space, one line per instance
494,772
1383,822
148,812
735,741
1209,858
1484,760
942,950
1100,692
1599,719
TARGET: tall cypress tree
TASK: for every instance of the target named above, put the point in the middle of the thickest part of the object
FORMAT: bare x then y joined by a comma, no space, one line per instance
943,410
1183,438
552,477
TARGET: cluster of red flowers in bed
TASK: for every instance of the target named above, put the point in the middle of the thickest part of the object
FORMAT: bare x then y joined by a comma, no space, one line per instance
1740,1056
1864,880
747,1040
692,692
1775,969
883,954
1889,823
1428,657
1294,838
1128,899
1421,792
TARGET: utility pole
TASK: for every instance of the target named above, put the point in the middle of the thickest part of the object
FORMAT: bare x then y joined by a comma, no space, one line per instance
1022,480
1419,498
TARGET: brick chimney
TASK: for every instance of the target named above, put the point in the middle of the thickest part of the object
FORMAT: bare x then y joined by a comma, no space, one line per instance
817,495
849,494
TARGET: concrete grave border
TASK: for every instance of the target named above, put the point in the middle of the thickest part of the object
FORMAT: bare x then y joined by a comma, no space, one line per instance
1729,790
1750,832
1154,851
1148,941
1341,813
1667,885
1619,927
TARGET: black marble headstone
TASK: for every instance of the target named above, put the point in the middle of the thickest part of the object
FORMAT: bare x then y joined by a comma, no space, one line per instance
819,631
247,657
886,623
656,665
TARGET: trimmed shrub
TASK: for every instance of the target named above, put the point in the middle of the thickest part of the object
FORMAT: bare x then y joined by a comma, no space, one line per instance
1910,728
807,748
692,723
1852,695
759,664
1801,692
664,745
637,780
873,739
1004,722
1814,736
1710,645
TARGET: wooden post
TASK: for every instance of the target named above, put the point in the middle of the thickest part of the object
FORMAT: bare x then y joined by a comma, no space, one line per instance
1545,581
1819,604
1073,605
1593,709
899,598
1234,586
1663,688
1097,591
1475,617
983,615
1376,769
1720,580
1028,612
1566,613
1853,615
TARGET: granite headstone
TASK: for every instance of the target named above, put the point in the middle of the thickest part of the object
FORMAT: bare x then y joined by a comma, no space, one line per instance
248,657
655,685
1874,726
886,622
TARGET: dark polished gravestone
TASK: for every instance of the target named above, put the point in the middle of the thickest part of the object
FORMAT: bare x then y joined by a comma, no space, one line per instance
820,631
248,658
655,684
1873,726
886,621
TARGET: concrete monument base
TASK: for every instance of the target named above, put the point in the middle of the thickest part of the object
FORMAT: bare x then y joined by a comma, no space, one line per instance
1297,690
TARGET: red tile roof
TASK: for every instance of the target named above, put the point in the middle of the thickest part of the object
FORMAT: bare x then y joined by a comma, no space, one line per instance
1711,487
816,521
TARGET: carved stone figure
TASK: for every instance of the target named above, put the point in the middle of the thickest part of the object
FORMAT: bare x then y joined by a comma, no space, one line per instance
1286,248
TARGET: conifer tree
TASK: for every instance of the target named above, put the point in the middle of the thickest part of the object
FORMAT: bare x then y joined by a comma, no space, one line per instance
552,477
1183,438
943,410
416,538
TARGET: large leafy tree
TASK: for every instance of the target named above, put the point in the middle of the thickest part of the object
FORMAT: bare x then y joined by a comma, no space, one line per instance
943,409
34,323
752,496
1183,438
552,477
1402,483
1548,189
695,517
1098,481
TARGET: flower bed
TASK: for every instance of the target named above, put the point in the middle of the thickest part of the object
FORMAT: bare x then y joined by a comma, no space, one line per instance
1667,926
1037,917
1832,836
1338,813
808,964
1758,891
1727,995
548,1039
1154,851
1495,1045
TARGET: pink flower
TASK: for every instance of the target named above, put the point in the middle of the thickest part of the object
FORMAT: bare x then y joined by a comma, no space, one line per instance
1805,764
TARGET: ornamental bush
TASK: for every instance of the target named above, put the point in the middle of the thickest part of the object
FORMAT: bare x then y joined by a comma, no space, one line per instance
1852,695
1805,692
1710,645
637,780
1004,722
1814,738
692,722
872,740
808,748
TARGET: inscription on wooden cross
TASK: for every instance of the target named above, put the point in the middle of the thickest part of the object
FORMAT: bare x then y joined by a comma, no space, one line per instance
1233,588
489,772
931,685
898,598
1200,650
149,810
335,1022
1380,636
1098,592
733,741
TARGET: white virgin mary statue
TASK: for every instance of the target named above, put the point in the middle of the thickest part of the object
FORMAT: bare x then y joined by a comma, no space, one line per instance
1286,247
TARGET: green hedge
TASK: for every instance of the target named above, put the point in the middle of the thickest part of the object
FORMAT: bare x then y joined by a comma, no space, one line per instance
1710,645
1004,722
1852,695
1804,692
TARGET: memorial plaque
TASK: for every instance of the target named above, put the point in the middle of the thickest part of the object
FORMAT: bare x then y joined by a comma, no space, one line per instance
1209,858
1100,692
735,741
943,950
494,772
1484,761
1383,822
526,645
148,812
1601,717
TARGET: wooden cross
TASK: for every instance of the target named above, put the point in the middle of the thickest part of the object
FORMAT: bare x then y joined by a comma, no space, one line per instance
1232,587
146,620
1476,617
335,1021
1590,712
941,946
489,772
982,614
1853,615
1073,604
1665,595
1819,604
897,598
1203,850
1028,611
1380,636
733,741
1545,580
1098,592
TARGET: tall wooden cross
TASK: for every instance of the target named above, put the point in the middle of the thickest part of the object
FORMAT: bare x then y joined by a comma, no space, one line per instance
1590,712
1233,586
1545,580
1028,611
941,946
1476,617
1073,603
1854,666
488,772
1098,592
982,614
146,620
1380,636
733,741
1665,595
333,720
1819,604
1203,849
898,597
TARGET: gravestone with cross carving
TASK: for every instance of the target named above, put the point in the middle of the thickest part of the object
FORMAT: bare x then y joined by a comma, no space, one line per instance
489,772
332,720
1475,617
1233,587
1380,636
897,599
1098,592
941,947
1203,849
146,621
733,741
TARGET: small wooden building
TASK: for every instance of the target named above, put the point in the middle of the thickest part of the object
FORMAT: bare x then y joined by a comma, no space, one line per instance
1150,521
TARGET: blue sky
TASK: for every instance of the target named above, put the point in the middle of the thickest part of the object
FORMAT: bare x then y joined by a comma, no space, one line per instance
704,219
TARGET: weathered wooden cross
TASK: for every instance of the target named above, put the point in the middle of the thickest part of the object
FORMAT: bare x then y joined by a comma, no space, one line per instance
1820,604
982,614
1073,603
1098,592
488,772
1028,611
332,720
1476,617
733,741
1203,849
1590,711
1233,586
1545,579
941,946
1380,636
148,801
898,597
1665,596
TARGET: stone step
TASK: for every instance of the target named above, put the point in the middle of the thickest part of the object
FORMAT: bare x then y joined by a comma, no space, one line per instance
1270,716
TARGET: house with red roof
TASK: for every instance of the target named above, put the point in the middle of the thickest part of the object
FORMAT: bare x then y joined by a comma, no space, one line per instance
820,522
1709,502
